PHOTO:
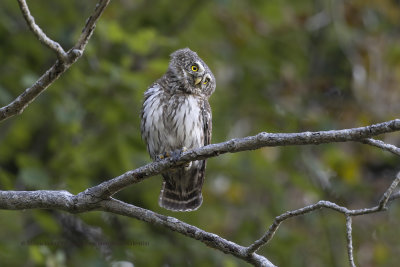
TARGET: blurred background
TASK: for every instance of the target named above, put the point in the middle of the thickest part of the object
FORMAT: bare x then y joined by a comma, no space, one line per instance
280,65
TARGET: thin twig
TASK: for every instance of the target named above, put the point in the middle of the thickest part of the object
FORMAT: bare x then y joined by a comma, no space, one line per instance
56,47
322,204
90,25
394,196
388,193
289,214
380,144
349,240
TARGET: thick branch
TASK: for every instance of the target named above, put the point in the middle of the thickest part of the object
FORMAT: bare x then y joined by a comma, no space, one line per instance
63,200
110,187
18,105
40,199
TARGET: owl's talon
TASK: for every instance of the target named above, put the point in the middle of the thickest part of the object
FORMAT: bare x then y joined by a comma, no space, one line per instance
163,156
174,155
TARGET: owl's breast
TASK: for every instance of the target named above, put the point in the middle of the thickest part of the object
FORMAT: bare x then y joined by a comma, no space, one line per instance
185,121
171,122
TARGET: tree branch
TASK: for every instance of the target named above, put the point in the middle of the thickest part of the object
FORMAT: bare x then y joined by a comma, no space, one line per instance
63,200
349,240
289,214
99,196
389,192
85,201
394,196
90,25
210,239
110,187
39,199
18,105
378,143
330,205
56,47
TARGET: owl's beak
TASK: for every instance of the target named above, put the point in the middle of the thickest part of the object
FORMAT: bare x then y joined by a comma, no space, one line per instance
197,80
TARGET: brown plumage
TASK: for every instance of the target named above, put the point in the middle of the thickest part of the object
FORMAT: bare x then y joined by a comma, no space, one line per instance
175,115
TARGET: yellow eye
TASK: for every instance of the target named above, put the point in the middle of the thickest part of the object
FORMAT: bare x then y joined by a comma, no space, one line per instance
195,68
206,81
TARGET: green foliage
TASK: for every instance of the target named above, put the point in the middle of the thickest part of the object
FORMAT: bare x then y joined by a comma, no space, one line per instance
281,66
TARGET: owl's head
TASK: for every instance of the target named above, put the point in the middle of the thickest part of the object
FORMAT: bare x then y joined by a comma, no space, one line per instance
192,73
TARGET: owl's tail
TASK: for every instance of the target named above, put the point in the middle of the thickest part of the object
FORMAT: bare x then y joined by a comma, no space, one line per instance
181,190
176,201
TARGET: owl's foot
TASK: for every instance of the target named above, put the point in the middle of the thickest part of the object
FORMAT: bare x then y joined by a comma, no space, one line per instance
174,155
163,156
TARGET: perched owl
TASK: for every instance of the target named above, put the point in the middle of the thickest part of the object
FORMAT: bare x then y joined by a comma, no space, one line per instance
176,115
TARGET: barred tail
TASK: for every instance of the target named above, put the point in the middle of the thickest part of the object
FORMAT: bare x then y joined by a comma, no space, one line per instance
171,199
181,190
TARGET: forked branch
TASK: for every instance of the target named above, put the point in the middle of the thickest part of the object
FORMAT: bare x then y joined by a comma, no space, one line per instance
329,205
65,59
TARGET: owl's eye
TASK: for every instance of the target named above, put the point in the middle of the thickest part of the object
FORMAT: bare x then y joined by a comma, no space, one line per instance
195,68
206,81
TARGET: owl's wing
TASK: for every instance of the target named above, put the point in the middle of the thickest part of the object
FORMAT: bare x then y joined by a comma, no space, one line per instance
151,119
207,121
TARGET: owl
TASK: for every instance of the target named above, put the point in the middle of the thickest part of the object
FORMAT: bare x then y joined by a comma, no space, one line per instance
175,116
